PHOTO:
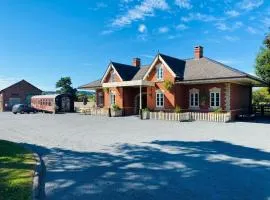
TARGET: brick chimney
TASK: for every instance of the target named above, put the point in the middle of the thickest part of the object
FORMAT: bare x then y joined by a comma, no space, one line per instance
198,52
136,62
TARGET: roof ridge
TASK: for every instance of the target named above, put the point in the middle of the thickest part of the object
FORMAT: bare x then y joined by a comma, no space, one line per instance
122,64
171,57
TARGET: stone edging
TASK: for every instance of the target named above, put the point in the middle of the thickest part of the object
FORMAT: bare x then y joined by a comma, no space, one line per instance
36,180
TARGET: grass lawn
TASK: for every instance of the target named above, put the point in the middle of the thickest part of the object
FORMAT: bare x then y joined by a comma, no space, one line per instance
16,171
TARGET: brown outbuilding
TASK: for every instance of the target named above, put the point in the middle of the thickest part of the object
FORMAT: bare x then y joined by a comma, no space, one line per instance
18,93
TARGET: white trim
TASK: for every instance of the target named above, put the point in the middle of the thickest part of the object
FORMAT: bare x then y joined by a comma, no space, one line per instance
158,57
160,71
158,92
228,96
215,91
107,72
194,91
245,81
128,84
112,94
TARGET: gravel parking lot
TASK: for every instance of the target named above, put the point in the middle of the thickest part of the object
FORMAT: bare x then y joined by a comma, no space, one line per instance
89,157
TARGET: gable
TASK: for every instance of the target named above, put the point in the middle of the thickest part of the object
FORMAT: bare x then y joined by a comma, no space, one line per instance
22,85
109,71
152,70
112,76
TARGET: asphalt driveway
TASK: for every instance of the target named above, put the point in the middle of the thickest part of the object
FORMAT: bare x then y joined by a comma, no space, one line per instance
90,157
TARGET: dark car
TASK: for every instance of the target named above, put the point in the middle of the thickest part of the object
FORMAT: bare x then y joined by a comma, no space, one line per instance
21,108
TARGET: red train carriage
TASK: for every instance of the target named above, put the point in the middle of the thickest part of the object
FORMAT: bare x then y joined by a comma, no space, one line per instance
53,103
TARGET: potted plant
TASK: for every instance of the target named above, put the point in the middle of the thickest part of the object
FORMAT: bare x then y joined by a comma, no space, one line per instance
145,113
116,111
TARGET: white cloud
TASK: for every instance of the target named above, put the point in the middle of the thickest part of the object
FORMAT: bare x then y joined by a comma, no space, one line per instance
142,28
224,27
199,17
183,4
98,6
139,12
232,13
231,38
250,4
252,30
182,27
163,29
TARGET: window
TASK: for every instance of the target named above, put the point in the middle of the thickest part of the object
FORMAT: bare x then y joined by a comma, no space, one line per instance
160,72
159,99
112,99
194,98
215,97
100,99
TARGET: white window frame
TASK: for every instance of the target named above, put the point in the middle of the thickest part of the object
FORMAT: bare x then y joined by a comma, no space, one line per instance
160,72
192,98
112,99
215,91
159,96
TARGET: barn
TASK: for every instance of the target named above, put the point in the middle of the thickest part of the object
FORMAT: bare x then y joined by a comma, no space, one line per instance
20,92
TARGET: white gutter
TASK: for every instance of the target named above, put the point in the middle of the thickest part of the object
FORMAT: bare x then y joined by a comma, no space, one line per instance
128,84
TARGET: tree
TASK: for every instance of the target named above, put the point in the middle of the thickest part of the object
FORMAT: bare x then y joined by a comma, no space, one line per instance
65,86
263,61
261,96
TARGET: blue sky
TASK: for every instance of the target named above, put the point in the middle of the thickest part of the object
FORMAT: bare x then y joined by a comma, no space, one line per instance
40,41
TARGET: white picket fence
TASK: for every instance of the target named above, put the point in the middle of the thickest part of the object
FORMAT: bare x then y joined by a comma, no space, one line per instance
94,111
197,116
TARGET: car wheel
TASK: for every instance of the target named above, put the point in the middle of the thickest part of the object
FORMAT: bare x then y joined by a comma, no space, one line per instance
14,113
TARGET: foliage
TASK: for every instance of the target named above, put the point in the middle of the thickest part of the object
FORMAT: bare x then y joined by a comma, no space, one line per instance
217,110
168,85
16,171
261,96
263,64
177,109
106,90
65,86
266,41
146,110
115,107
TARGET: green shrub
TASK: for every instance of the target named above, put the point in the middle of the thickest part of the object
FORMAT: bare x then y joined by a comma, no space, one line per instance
115,107
145,110
177,109
218,110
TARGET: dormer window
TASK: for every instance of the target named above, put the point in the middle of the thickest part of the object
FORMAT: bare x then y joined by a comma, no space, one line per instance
160,72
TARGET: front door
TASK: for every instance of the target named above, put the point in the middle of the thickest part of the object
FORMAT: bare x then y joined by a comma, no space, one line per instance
144,103
65,102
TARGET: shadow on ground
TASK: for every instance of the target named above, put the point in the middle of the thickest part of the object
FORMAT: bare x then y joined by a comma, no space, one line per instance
158,170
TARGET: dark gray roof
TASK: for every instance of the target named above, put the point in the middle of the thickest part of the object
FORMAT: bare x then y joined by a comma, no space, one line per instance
177,65
127,72
140,74
18,83
205,68
94,84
